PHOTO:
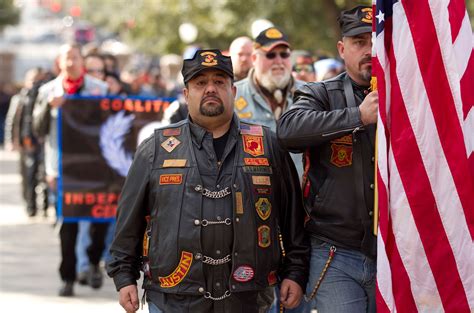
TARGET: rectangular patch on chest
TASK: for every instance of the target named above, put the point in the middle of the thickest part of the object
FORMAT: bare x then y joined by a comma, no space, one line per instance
171,132
258,169
261,180
171,179
256,161
174,163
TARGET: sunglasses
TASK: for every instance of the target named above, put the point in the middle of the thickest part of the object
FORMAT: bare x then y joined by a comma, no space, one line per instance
303,67
272,55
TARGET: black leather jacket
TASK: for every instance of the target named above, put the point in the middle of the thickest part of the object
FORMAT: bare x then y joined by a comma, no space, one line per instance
324,122
175,195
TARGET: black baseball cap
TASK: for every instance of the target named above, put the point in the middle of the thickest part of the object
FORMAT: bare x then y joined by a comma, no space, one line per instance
204,60
270,38
356,21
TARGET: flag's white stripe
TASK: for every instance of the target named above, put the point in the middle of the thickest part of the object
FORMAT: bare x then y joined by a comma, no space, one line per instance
424,127
410,247
455,58
463,44
384,275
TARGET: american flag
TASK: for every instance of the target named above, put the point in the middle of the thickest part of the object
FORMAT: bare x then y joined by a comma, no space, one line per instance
424,64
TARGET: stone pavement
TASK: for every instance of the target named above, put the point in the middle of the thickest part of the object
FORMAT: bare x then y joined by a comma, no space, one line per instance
29,257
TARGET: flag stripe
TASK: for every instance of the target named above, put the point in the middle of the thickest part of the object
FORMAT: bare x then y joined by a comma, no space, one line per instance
410,164
457,10
450,132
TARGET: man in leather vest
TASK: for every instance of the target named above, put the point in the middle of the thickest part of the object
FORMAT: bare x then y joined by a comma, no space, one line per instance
211,209
333,122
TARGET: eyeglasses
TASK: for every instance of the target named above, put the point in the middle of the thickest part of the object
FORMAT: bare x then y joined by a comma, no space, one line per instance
303,67
272,55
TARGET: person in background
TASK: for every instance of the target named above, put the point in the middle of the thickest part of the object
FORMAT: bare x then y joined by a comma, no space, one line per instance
94,65
333,122
71,81
240,51
115,85
204,206
303,68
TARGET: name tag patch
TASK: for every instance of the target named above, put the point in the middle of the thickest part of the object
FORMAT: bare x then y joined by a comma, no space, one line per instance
261,180
171,179
256,161
258,169
179,273
172,132
262,190
175,163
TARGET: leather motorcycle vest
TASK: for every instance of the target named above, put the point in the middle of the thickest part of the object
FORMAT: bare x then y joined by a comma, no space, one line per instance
175,243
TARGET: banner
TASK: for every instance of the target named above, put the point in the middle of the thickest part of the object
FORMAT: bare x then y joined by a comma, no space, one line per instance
97,140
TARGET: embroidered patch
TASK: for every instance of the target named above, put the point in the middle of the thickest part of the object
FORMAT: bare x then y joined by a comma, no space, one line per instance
171,132
264,240
171,179
253,145
262,190
264,208
255,130
240,103
261,180
243,273
244,115
174,163
170,143
347,140
179,273
239,203
258,169
208,58
272,278
256,161
341,155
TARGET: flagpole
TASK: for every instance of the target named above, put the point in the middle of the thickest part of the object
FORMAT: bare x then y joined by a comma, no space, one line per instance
373,86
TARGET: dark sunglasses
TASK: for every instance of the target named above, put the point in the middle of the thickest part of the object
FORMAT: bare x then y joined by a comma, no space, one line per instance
272,55
303,67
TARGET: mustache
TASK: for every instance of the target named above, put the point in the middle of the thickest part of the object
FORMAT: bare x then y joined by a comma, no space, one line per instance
366,60
206,98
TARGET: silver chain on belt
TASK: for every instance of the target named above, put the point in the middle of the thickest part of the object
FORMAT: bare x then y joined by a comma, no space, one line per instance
208,260
213,194
205,222
208,295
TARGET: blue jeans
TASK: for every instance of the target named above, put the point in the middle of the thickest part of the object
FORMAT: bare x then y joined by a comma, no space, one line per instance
152,308
83,241
349,284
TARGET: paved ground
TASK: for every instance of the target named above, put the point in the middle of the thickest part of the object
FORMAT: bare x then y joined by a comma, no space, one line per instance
29,258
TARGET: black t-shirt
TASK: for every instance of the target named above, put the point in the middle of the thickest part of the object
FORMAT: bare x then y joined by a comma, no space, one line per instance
219,145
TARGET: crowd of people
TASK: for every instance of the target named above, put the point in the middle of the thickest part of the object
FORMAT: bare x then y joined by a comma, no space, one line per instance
247,247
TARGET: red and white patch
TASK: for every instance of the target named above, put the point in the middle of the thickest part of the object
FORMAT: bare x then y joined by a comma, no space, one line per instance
243,273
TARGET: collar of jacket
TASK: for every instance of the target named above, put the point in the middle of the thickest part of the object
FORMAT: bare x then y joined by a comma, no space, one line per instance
198,133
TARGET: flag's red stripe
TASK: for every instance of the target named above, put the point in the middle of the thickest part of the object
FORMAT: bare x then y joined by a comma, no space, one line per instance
380,302
402,292
457,11
422,203
440,97
467,91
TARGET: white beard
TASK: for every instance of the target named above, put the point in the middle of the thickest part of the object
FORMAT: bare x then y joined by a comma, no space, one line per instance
271,82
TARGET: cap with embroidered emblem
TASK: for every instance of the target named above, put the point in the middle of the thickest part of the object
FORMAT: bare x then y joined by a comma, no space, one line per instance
270,38
356,21
204,60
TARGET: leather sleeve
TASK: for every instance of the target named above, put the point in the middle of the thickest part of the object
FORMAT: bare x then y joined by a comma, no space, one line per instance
314,119
295,265
41,115
126,249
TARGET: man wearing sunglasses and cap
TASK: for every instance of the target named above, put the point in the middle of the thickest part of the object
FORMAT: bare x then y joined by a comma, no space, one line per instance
333,122
203,208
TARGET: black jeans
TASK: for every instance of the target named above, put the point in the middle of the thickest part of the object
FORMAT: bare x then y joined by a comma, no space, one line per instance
68,236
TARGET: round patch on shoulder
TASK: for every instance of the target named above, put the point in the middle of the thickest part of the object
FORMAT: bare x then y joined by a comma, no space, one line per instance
243,273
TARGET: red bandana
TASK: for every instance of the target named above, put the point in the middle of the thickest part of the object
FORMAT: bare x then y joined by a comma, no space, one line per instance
71,86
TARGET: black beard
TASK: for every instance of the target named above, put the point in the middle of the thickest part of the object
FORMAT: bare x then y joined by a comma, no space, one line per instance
211,110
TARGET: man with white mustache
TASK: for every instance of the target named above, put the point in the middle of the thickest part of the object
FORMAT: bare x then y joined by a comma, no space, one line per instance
268,90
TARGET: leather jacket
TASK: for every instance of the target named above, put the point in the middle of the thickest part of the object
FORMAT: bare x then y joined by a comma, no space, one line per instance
324,122
259,198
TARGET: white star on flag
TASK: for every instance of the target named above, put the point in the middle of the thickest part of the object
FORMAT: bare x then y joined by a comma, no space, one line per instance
380,17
